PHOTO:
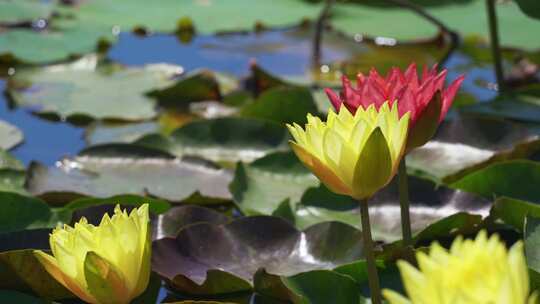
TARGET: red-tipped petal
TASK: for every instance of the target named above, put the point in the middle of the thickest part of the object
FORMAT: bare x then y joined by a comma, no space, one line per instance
406,103
334,98
411,76
449,94
439,79
360,79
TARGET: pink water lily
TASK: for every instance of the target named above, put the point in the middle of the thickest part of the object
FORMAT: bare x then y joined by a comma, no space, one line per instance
425,98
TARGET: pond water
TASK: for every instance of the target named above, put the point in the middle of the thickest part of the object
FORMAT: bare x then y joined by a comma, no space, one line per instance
282,52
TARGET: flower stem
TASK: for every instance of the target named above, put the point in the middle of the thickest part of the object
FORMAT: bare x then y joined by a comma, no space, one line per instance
495,46
373,276
317,38
404,203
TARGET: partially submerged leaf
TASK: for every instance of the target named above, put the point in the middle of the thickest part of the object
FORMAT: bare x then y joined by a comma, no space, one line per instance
10,136
105,91
125,169
222,139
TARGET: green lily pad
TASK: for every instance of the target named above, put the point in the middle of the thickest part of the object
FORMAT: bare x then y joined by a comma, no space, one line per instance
513,212
271,104
155,206
100,132
198,85
16,12
7,161
23,212
222,139
74,39
531,235
515,179
208,258
109,170
517,107
208,17
322,287
12,181
10,136
530,7
279,185
83,89
260,187
21,271
467,18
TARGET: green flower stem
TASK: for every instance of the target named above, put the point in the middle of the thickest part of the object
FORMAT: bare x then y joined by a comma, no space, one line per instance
373,276
404,203
495,46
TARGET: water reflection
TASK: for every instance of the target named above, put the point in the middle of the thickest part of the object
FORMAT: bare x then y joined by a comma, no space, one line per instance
44,140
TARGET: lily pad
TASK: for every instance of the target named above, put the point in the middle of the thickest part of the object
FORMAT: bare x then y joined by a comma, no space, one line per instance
10,296
20,270
279,185
514,179
520,108
259,188
12,180
10,136
106,133
105,91
513,211
105,171
468,144
531,235
242,247
530,7
23,212
170,223
467,18
22,11
7,161
155,206
271,104
222,139
55,44
198,85
208,17
322,287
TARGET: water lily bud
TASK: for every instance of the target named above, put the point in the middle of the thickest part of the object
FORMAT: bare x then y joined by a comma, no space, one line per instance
354,155
480,271
109,263
424,98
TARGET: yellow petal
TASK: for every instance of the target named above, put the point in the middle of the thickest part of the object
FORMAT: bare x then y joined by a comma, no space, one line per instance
324,173
104,281
374,167
49,263
395,298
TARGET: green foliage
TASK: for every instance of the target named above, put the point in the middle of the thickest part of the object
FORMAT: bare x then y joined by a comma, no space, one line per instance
530,7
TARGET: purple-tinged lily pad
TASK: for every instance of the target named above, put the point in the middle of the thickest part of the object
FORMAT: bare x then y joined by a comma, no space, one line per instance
208,258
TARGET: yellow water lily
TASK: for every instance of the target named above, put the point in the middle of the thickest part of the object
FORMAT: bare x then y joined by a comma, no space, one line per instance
354,155
109,263
479,271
